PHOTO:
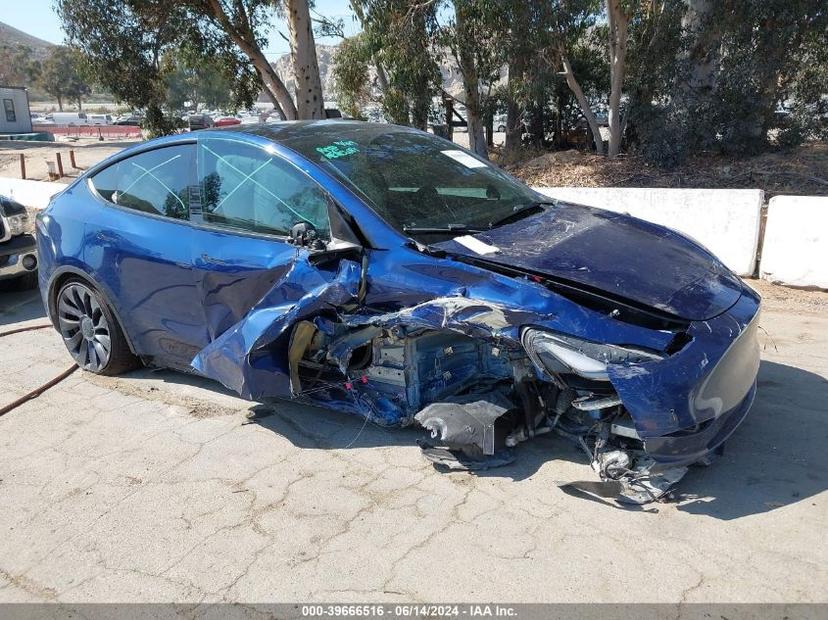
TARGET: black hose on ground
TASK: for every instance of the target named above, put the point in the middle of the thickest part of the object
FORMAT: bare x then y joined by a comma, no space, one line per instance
38,390
25,329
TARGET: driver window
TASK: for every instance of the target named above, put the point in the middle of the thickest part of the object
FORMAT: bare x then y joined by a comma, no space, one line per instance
246,188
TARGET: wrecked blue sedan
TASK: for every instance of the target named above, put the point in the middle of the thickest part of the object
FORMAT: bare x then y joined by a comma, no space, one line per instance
384,271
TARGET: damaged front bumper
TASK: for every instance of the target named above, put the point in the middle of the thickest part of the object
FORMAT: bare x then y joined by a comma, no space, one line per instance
666,414
459,367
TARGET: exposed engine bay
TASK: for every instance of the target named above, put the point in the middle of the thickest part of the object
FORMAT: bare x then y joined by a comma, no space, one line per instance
478,399
644,396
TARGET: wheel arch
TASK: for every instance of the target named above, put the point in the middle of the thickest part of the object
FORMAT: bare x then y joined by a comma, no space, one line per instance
66,273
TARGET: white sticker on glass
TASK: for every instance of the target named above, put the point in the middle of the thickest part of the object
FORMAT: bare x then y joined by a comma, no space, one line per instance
464,158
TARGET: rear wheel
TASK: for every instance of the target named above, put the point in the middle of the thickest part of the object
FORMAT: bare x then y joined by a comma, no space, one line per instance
90,332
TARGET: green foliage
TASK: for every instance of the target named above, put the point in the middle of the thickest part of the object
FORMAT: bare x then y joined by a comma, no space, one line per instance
400,36
17,65
715,80
153,52
351,75
192,80
65,75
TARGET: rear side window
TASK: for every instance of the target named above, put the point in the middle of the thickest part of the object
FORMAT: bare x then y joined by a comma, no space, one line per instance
247,188
156,182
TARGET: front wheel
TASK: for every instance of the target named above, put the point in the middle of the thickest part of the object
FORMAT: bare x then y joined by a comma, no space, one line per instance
90,332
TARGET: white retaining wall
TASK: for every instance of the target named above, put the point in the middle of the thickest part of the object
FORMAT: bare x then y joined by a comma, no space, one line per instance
34,194
795,250
725,221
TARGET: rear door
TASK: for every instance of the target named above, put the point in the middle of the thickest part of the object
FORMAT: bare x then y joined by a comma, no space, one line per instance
250,199
140,247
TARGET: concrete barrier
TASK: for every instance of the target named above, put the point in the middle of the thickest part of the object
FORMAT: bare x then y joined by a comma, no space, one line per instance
725,221
795,250
33,194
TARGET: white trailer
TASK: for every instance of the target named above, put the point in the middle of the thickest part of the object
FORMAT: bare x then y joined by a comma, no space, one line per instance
15,116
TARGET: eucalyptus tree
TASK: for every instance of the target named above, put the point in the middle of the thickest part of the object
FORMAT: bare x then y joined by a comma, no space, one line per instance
474,37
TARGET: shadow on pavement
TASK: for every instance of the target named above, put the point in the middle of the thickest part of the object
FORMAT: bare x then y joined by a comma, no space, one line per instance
776,458
18,306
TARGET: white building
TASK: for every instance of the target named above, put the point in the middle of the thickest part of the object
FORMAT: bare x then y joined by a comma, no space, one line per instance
14,110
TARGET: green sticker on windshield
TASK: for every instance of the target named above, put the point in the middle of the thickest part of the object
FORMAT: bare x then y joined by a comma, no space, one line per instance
341,148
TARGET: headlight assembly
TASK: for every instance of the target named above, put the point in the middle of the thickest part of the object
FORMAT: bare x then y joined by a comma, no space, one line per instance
558,354
17,223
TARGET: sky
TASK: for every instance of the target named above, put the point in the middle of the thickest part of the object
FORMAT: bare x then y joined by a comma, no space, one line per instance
38,18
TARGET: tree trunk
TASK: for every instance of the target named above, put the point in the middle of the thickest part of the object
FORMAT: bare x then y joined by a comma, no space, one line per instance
514,120
60,103
80,105
382,76
275,88
617,21
518,55
575,87
704,49
419,111
309,99
471,85
537,121
243,36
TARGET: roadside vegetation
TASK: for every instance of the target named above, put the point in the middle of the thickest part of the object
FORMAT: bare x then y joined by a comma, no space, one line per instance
662,81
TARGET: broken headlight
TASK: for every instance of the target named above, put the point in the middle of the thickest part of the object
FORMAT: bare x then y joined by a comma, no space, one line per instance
557,354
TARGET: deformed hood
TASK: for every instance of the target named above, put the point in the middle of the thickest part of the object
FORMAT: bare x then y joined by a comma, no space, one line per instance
614,253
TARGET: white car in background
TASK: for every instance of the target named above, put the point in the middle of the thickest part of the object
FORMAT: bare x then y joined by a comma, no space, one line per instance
69,118
99,119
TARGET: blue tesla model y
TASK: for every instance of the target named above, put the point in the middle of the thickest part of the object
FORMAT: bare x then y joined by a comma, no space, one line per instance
386,272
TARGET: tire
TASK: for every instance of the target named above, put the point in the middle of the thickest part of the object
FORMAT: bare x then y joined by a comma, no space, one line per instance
90,331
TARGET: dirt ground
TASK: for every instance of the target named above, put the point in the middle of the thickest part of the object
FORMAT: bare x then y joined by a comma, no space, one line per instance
88,151
802,171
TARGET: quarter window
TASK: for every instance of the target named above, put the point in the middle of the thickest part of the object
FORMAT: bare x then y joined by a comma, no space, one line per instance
156,181
248,188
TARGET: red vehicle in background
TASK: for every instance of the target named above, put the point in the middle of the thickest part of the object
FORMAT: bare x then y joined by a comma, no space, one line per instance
225,121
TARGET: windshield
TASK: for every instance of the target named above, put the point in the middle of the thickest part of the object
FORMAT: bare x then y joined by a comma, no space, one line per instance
420,184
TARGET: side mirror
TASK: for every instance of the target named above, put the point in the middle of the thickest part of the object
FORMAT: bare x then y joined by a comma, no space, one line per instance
304,235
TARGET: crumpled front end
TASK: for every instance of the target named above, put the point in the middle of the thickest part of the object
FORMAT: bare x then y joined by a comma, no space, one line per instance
644,419
489,364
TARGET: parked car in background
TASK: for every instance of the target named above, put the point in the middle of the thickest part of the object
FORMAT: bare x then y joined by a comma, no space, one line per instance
128,120
70,118
226,121
199,121
99,119
18,253
386,272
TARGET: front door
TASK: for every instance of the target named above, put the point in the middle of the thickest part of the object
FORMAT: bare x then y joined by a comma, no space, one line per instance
250,199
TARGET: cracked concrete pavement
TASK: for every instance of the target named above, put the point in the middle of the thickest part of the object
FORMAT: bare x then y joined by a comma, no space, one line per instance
157,486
